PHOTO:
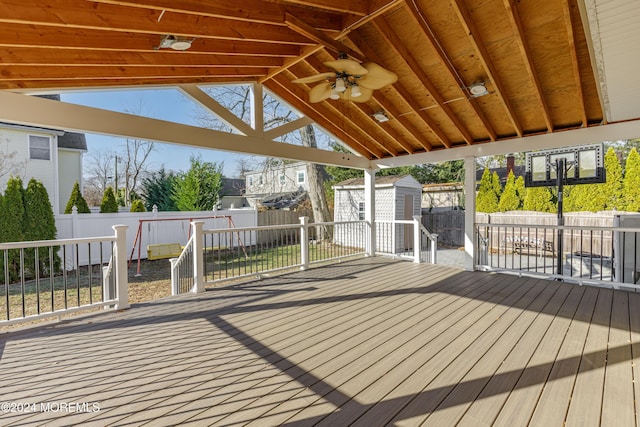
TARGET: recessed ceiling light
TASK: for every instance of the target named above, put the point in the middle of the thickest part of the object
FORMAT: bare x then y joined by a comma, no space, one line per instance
381,116
478,89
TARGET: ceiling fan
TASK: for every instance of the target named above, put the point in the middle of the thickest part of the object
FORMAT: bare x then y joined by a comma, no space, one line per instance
350,80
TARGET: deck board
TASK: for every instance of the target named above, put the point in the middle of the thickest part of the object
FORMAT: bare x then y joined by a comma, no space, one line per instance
368,342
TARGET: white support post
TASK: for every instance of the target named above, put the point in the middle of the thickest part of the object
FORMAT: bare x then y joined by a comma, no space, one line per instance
417,244
469,212
257,107
304,242
174,277
122,283
198,256
370,208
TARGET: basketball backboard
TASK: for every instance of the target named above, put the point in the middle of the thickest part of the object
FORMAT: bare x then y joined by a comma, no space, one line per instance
584,165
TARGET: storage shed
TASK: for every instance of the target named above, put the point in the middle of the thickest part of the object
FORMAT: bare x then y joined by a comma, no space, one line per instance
396,198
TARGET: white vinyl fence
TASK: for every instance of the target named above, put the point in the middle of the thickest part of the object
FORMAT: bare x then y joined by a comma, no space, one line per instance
148,228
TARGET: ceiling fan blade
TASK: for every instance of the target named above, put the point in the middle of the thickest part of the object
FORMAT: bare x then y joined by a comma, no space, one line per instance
347,66
315,78
365,95
320,92
377,78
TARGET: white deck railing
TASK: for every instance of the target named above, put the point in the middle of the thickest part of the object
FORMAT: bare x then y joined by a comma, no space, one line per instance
234,253
586,255
47,278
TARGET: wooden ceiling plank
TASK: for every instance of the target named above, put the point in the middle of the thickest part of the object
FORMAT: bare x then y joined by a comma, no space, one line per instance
353,7
421,21
69,57
55,86
566,9
483,55
518,29
21,35
308,31
396,44
123,72
258,12
83,14
394,113
280,86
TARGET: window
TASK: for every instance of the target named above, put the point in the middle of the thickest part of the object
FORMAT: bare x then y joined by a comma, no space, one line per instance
300,177
39,147
282,179
250,181
260,181
361,215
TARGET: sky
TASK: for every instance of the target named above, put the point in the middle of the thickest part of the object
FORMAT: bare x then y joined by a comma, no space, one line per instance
164,104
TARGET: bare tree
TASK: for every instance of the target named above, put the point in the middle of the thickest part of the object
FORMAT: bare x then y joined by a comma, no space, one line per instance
101,172
134,162
236,99
9,165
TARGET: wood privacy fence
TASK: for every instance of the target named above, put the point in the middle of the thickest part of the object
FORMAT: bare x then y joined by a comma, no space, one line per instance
449,226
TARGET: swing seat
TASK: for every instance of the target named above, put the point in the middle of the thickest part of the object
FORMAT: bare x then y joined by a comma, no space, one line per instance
163,250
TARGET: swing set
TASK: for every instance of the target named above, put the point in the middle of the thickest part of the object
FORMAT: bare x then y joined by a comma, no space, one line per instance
171,250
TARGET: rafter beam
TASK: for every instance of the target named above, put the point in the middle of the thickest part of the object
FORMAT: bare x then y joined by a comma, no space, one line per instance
233,121
308,31
396,44
483,55
516,24
566,9
421,21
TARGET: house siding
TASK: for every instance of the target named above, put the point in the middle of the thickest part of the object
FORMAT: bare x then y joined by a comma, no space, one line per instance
69,161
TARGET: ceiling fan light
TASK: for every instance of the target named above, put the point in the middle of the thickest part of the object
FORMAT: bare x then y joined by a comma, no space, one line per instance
355,91
334,94
340,87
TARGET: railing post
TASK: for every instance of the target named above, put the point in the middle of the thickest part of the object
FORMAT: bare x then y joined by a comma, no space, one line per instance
304,242
174,277
198,257
417,244
122,283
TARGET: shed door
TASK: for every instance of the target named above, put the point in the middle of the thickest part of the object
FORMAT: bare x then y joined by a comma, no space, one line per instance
408,229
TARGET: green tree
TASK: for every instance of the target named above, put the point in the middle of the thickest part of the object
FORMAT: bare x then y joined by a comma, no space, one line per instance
76,199
137,206
39,224
109,204
539,199
156,189
198,188
12,223
631,182
495,182
613,187
486,199
509,199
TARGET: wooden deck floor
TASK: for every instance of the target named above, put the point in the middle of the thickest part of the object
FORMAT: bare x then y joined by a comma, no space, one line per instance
370,342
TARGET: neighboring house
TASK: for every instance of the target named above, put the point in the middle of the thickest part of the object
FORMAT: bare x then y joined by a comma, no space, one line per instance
232,193
443,197
41,154
282,186
396,198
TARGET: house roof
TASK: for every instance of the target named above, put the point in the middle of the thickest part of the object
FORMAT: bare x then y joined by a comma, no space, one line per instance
73,140
381,181
548,66
518,170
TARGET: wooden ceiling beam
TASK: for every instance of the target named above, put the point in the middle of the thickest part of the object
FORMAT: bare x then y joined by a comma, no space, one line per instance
403,122
88,15
483,55
166,58
403,54
257,12
22,35
55,86
308,31
27,73
421,21
353,7
571,36
324,117
516,24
